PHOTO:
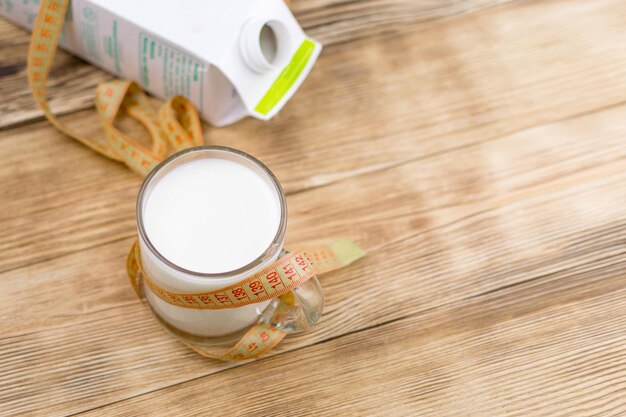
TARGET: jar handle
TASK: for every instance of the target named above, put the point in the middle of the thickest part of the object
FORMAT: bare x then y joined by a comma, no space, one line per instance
298,310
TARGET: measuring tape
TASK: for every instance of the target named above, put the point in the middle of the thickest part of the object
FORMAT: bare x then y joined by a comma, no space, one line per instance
177,125
275,281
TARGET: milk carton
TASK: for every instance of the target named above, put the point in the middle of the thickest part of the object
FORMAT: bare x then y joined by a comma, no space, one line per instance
231,58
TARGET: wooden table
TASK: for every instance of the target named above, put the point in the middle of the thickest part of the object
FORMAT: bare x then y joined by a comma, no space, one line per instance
476,149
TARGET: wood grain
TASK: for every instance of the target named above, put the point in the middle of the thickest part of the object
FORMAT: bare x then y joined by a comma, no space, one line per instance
522,166
480,160
454,252
436,113
515,352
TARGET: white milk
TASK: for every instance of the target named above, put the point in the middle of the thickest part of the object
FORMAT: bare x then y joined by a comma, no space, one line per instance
211,216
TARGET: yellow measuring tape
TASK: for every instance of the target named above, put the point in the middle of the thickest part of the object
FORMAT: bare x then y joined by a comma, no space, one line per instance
275,281
177,125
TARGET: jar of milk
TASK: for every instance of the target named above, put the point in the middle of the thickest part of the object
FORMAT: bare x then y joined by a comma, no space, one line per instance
210,217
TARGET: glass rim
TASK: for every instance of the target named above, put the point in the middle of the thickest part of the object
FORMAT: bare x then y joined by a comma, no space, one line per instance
226,153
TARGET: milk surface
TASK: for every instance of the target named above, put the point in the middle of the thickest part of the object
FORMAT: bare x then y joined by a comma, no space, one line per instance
211,215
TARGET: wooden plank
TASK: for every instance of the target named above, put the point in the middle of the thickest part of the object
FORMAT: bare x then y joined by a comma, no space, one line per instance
553,349
73,81
508,84
450,217
332,21
451,239
376,210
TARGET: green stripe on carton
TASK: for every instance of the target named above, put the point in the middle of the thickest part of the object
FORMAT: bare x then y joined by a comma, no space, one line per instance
287,78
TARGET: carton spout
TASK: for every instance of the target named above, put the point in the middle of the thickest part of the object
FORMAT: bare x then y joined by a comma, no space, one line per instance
272,58
264,45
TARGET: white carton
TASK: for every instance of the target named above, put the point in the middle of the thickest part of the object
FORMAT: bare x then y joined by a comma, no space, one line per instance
231,58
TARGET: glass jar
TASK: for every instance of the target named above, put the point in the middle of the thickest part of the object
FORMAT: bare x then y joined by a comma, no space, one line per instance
224,326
